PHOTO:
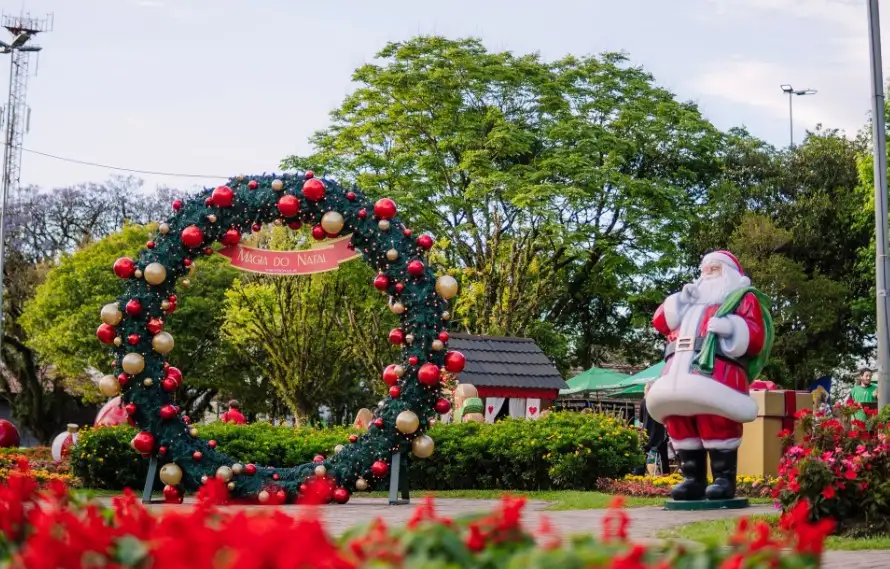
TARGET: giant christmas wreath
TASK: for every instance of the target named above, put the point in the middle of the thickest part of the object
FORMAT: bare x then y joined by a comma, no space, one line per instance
134,325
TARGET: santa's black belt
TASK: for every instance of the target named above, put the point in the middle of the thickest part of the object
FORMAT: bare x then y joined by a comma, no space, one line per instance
697,346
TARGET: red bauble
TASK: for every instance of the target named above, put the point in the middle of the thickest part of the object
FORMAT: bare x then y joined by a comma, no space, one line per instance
9,435
250,469
399,287
133,339
415,268
318,232
428,374
106,334
155,325
223,196
187,262
208,251
455,362
130,408
231,237
150,244
407,232
385,208
169,385
314,190
362,213
168,412
350,196
192,236
143,442
353,438
425,242
443,336
134,307
172,298
253,184
162,450
124,267
413,360
256,227
174,374
310,174
123,379
443,406
381,282
295,225
177,205
318,459
395,391
197,455
288,206
211,443
172,495
389,375
379,469
341,495
186,420
208,202
396,336
280,497
378,423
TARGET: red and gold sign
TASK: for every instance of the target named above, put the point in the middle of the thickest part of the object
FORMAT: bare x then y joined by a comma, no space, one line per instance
319,259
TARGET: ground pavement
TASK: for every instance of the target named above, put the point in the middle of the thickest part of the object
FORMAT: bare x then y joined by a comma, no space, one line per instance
645,522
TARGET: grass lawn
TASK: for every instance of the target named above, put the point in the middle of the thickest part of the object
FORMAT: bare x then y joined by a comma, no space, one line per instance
718,531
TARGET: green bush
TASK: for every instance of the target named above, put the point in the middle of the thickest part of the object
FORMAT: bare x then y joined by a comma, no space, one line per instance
559,451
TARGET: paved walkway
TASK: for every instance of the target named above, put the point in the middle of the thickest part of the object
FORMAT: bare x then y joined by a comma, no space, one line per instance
645,522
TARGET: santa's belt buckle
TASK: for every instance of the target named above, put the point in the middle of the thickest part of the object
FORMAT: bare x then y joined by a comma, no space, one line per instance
686,344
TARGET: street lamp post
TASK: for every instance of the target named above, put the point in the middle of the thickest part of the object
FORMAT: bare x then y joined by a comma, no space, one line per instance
799,92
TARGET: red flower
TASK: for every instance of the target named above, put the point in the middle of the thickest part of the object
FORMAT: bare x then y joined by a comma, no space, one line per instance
829,492
850,474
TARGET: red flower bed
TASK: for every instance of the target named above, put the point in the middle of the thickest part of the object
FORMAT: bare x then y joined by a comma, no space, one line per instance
48,529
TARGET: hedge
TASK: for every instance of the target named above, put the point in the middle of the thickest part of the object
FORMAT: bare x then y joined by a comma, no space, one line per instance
560,451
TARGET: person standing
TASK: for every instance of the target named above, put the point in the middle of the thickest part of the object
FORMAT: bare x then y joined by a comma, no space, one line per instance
864,393
233,415
655,433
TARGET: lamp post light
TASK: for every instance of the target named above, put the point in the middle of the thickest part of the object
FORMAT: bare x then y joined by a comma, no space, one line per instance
799,92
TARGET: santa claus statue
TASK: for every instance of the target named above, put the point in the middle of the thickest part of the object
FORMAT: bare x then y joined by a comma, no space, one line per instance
719,334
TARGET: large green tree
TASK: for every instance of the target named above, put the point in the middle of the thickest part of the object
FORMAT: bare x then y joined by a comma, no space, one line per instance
551,185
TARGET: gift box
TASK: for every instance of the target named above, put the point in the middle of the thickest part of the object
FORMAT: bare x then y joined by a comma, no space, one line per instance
762,448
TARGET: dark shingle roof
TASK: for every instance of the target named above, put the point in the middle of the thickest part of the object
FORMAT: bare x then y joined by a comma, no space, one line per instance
505,362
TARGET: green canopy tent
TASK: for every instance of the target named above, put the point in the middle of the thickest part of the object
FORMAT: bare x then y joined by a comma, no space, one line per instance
594,379
634,386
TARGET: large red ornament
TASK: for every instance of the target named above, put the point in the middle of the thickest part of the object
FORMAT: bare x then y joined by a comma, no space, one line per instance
133,339
425,242
168,412
318,232
350,196
341,495
197,455
378,422
381,282
223,196
172,495
399,287
192,236
389,375
177,205
106,333
130,408
443,336
428,374
295,224
134,307
250,469
443,406
155,325
288,206
309,174
169,385
362,213
211,443
253,184
396,336
123,379
413,360
314,189
174,374
9,435
144,442
395,391
415,268
318,459
124,267
353,438
256,227
231,237
379,469
455,362
385,208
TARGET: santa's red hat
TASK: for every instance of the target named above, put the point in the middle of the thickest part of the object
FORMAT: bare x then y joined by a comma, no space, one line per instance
724,258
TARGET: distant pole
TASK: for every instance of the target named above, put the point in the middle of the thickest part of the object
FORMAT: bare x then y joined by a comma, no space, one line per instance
879,135
789,90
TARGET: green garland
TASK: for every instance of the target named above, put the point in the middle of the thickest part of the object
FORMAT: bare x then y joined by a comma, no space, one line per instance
242,206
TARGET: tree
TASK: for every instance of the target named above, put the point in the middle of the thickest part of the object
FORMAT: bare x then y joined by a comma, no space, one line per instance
550,185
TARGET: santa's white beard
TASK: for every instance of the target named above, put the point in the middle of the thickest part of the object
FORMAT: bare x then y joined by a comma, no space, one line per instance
715,290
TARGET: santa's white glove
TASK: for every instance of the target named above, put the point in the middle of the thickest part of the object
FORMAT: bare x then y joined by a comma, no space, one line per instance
689,292
720,326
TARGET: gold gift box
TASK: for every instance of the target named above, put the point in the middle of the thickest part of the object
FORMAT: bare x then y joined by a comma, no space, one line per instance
761,448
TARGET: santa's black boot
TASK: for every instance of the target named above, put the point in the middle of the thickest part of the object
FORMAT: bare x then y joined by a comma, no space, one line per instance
693,467
724,465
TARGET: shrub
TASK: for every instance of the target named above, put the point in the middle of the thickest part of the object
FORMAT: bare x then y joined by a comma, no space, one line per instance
559,451
41,529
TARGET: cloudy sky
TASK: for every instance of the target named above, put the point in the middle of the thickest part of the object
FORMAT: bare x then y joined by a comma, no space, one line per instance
219,87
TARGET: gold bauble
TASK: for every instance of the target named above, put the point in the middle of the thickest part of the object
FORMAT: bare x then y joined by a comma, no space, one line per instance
384,224
361,484
240,177
164,229
407,422
332,222
109,386
224,473
397,307
422,446
438,346
263,497
446,286
186,282
237,469
137,273
278,222
392,254
133,363
111,314
162,342
277,185
118,341
409,338
147,382
338,449
320,470
155,273
211,218
399,370
165,305
230,486
446,315
193,432
171,474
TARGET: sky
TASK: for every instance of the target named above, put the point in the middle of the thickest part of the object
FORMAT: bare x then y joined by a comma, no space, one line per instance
215,88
